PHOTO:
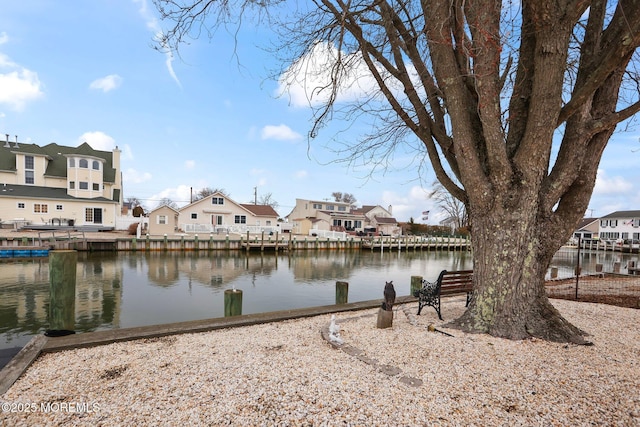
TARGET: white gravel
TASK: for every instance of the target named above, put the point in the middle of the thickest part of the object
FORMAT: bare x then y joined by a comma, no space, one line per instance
286,374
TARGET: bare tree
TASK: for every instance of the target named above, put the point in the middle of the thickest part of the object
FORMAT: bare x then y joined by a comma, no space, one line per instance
344,197
453,207
514,102
165,201
268,200
207,191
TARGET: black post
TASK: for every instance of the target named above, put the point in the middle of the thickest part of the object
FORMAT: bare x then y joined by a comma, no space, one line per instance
578,267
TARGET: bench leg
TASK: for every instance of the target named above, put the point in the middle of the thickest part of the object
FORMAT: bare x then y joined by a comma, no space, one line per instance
437,307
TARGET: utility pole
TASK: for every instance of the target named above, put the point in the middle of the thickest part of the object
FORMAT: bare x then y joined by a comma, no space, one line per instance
255,195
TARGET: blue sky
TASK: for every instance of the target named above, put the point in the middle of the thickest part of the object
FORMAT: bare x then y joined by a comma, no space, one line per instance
74,71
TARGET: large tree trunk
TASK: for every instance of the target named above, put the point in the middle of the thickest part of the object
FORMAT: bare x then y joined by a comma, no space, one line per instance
510,264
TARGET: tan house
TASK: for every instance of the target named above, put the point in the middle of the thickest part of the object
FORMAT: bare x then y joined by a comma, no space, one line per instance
309,216
163,220
59,185
218,213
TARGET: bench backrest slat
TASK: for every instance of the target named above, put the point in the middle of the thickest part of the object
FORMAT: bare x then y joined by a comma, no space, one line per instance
455,281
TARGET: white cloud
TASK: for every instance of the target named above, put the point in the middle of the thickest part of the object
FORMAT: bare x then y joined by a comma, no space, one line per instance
106,84
606,185
98,140
153,25
308,82
301,174
132,176
190,164
4,38
280,132
180,194
18,85
410,205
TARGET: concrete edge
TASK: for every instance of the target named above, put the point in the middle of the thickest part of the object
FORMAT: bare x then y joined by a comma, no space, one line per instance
42,344
21,362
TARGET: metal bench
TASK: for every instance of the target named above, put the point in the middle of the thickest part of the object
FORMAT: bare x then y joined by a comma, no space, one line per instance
448,283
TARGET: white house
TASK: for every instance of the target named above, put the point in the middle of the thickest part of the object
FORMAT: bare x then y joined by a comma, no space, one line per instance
588,228
310,215
59,185
219,213
620,225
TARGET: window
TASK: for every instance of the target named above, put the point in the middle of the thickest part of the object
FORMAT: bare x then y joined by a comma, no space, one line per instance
28,162
96,187
217,201
240,219
58,207
84,163
331,207
95,165
88,214
613,222
84,185
162,219
72,163
20,205
342,208
317,206
268,223
337,222
72,185
194,215
604,223
28,177
40,208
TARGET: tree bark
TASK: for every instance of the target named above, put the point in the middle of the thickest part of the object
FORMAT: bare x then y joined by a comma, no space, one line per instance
509,298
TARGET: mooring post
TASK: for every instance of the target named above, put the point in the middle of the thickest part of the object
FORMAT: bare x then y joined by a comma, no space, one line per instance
342,292
232,302
62,292
416,283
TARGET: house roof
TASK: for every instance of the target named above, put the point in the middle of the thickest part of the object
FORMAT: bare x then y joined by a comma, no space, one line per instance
164,207
49,193
57,156
623,214
584,222
385,220
260,210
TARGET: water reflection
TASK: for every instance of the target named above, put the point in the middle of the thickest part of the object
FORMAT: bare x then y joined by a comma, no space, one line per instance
115,290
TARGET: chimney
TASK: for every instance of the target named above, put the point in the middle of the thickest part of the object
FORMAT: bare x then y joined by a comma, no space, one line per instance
390,209
15,146
6,144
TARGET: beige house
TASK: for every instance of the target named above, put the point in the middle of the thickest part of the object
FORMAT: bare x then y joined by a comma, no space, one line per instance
59,185
309,216
163,220
218,213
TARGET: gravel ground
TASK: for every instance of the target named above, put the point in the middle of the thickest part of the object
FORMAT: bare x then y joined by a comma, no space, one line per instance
286,374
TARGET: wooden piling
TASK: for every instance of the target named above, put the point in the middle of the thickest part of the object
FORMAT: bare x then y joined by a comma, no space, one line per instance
232,302
416,283
62,288
342,292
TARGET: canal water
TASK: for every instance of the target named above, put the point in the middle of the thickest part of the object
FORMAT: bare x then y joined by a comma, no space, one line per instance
126,289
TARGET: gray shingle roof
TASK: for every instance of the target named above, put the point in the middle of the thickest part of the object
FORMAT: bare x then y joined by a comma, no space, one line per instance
35,192
57,165
623,214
